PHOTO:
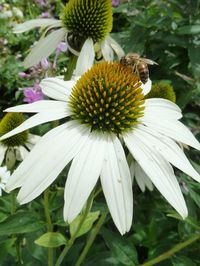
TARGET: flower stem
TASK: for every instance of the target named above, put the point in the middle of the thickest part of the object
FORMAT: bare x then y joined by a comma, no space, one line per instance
72,64
49,224
91,239
13,206
171,251
73,238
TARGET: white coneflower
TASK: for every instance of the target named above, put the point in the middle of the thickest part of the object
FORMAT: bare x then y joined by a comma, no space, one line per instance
82,23
138,175
107,108
18,146
4,177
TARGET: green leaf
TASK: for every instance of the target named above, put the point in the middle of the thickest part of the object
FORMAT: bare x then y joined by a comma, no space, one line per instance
21,222
87,225
7,246
182,261
122,248
51,240
195,196
189,29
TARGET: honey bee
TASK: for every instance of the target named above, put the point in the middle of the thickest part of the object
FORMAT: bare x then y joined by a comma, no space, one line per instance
138,65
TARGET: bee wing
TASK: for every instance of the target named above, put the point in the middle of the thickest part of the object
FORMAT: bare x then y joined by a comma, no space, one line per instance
149,61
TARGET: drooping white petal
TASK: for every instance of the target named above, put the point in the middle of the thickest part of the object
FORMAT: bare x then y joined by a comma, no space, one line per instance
117,185
167,148
32,140
55,151
156,109
44,47
35,120
142,179
115,46
159,171
131,164
132,170
39,106
173,129
107,50
146,87
56,88
19,175
2,153
21,153
86,58
34,23
83,175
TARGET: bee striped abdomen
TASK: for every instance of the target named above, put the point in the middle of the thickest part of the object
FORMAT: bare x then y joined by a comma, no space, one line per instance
143,72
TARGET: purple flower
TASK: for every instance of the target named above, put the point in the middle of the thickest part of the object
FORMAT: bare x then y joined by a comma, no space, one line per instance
62,47
45,15
41,2
23,75
115,3
44,63
33,94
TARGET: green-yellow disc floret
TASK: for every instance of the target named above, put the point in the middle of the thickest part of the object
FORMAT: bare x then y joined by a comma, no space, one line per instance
162,90
8,123
88,18
108,98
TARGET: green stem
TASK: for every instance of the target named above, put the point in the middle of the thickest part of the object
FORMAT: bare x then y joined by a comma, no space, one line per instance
17,240
97,192
173,250
73,237
91,239
13,198
49,224
72,64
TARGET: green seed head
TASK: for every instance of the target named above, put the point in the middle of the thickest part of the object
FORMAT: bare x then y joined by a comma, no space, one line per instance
162,90
107,98
88,18
8,123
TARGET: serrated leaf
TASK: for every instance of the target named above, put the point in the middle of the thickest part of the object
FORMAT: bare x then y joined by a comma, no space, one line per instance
123,249
87,225
51,240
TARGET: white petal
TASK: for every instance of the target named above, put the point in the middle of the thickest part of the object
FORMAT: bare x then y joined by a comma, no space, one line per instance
161,108
2,153
35,120
31,24
142,179
131,163
39,106
56,88
107,50
115,46
167,148
44,47
146,87
117,185
132,170
173,129
83,175
21,153
86,58
19,175
159,171
47,159
32,140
